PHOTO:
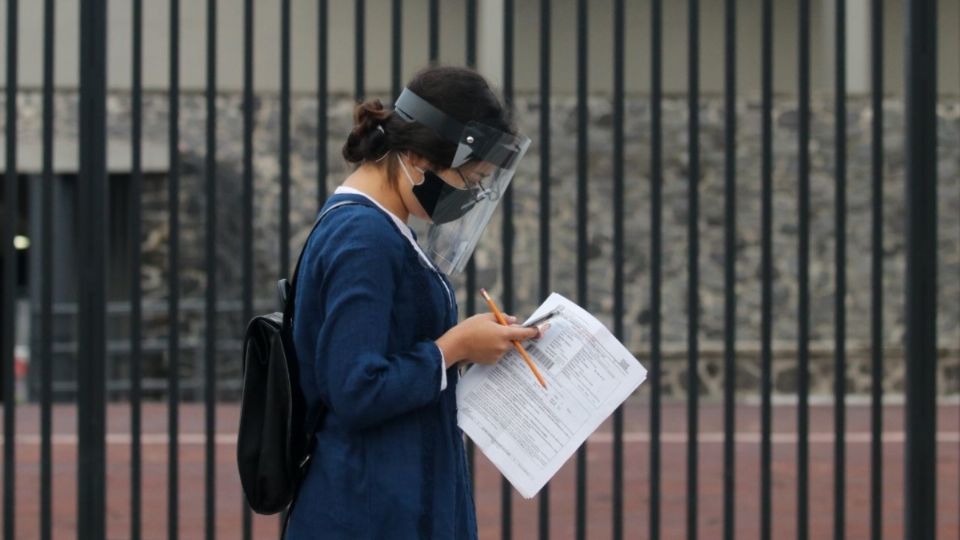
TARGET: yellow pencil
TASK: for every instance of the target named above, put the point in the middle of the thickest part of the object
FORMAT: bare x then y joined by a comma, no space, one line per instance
516,344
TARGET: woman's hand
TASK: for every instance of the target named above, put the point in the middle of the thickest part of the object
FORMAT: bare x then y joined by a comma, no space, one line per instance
482,339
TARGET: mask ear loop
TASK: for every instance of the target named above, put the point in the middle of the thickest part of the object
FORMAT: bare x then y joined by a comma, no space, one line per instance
407,173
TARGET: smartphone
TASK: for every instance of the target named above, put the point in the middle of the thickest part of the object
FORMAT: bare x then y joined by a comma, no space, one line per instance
544,318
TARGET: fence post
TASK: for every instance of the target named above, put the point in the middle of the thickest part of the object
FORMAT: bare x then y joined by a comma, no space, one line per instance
920,70
92,228
876,272
8,289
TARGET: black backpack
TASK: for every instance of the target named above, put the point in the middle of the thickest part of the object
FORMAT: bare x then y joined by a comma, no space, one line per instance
275,438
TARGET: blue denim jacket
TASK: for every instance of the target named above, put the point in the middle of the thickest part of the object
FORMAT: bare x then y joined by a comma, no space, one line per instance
389,460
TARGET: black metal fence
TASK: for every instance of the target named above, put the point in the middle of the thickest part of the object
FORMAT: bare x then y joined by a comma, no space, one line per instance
920,19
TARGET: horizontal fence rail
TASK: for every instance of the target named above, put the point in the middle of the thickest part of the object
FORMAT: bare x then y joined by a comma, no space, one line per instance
692,221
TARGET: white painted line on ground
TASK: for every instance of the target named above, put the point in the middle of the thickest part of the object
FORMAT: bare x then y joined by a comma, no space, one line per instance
857,437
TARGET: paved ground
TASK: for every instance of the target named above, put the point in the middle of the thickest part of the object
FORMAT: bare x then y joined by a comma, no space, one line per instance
524,512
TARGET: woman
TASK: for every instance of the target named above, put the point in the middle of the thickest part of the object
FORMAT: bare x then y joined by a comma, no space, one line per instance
375,327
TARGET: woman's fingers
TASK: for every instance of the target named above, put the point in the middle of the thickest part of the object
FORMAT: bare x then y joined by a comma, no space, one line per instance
542,329
493,318
520,333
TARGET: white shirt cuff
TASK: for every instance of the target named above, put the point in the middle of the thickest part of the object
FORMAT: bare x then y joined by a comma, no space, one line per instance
443,371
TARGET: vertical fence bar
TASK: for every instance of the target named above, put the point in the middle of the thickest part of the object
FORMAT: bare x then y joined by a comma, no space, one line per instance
210,346
247,202
543,501
730,270
618,69
322,37
396,48
471,58
876,272
136,287
285,138
471,54
581,497
434,30
803,265
284,157
506,499
693,265
359,15
46,278
173,353
92,206
11,196
766,268
840,312
920,75
471,33
656,212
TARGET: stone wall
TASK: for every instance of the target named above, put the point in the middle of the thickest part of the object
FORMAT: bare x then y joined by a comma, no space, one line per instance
563,224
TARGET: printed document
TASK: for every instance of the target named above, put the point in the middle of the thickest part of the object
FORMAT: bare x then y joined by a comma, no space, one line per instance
527,431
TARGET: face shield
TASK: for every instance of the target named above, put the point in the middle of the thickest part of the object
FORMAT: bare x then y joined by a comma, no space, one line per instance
461,200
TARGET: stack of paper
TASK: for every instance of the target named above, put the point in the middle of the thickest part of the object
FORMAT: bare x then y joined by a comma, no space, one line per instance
527,431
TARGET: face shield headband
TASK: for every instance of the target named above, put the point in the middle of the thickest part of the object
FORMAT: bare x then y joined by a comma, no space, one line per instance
475,141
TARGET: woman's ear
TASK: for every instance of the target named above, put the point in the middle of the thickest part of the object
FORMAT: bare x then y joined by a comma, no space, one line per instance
417,161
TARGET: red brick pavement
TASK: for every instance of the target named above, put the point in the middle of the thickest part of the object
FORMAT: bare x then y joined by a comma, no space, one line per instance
636,476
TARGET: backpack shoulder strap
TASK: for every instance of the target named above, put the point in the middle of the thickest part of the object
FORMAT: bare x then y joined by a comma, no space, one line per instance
289,294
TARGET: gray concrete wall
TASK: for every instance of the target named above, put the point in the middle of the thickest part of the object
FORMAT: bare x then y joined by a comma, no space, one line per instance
304,174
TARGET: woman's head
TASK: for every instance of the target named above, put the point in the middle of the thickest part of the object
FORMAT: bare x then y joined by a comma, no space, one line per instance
460,93
445,154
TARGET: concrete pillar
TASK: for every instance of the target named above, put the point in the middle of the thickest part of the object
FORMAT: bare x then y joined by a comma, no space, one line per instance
857,43
490,40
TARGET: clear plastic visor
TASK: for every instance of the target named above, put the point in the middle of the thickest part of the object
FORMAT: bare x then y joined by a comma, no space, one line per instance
478,184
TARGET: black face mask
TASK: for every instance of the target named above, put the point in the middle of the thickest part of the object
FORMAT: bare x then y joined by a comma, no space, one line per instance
443,202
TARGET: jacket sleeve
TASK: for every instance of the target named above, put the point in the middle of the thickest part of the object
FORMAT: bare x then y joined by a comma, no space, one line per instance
367,386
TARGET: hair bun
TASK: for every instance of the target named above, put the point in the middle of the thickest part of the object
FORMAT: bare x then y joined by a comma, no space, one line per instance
368,140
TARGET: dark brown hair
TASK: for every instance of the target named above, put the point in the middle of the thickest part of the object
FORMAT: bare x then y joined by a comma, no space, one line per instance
459,92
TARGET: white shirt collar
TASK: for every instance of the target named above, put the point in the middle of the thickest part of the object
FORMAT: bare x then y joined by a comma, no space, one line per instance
404,228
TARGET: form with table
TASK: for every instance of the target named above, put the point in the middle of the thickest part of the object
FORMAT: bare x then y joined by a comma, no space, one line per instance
528,431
